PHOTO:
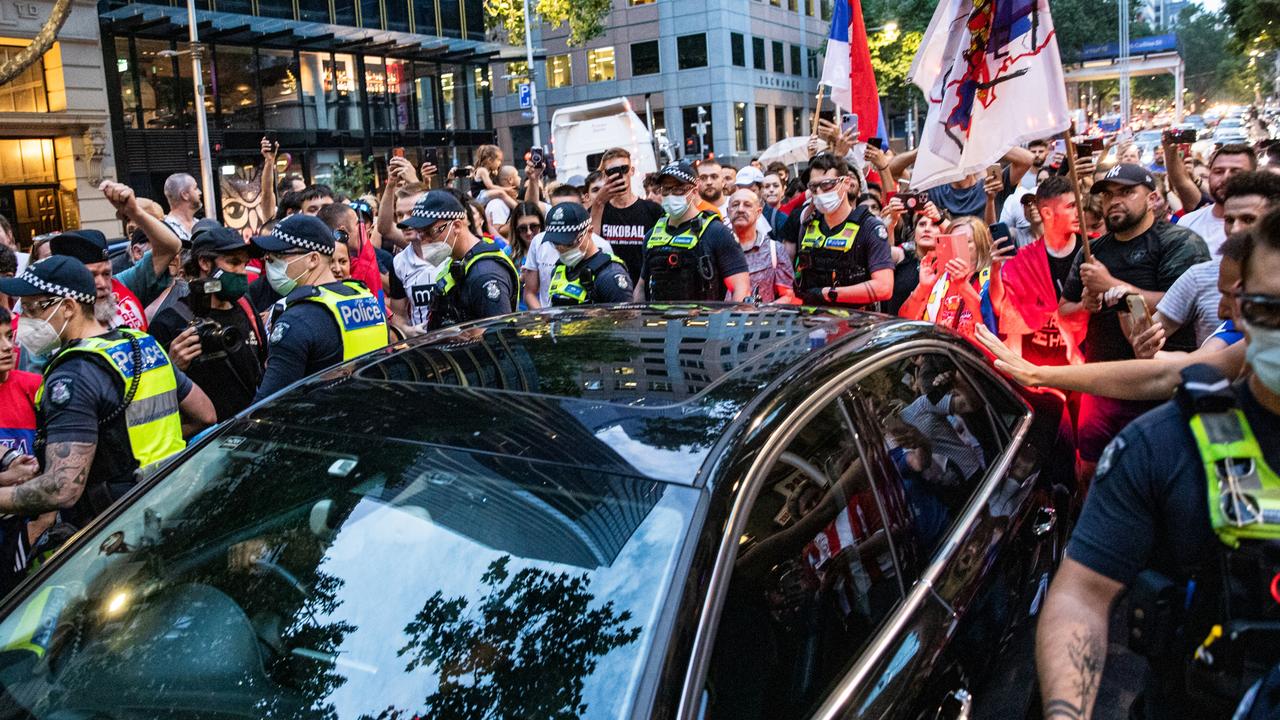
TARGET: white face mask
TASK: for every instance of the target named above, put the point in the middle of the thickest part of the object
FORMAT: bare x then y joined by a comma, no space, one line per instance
434,253
278,275
572,256
675,205
38,337
1263,355
827,202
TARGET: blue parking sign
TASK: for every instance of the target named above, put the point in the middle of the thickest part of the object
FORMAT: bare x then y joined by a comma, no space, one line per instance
526,95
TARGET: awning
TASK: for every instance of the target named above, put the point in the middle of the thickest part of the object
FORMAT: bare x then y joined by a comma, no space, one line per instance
165,23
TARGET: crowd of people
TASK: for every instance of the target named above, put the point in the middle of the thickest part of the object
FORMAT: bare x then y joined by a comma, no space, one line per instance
1106,280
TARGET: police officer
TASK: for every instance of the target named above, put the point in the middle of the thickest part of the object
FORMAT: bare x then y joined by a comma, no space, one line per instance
1184,514
324,321
843,257
111,400
583,274
481,280
690,255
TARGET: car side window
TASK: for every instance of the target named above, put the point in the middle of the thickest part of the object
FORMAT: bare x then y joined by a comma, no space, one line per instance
940,440
813,579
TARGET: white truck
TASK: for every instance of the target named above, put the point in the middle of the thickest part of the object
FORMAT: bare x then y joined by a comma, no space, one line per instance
580,135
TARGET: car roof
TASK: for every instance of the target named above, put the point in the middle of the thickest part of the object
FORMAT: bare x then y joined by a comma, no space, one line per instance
626,389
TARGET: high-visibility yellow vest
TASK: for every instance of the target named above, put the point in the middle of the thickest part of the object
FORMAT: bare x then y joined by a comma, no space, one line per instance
155,428
360,319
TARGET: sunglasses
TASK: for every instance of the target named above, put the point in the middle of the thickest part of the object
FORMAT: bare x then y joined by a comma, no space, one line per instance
530,228
824,185
1260,310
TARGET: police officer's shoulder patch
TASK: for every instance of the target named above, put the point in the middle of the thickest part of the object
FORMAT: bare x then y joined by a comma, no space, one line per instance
1109,453
60,390
882,232
278,331
623,282
491,290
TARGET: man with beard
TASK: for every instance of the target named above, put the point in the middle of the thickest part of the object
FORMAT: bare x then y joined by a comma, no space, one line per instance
123,298
183,194
1039,153
710,187
1206,221
1137,255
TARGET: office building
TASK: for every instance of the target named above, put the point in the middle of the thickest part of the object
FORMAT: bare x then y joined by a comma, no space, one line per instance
751,65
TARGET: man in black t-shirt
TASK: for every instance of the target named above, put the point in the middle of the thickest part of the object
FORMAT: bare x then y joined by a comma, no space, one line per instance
230,375
1138,255
618,215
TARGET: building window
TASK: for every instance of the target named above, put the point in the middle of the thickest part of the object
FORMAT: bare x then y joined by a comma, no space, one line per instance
159,99
691,51
559,71
517,73
313,12
242,7
370,14
450,18
779,58
757,53
793,5
125,72
780,123
278,76
600,65
738,49
795,123
813,63
740,127
237,87
775,3
796,69
276,9
762,127
826,9
424,17
633,3
397,14
808,7
645,58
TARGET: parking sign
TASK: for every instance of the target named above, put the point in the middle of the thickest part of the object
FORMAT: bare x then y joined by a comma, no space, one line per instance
526,95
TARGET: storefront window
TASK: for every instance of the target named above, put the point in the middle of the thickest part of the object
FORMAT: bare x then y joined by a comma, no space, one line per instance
125,71
389,93
235,87
278,74
185,90
447,100
479,89
330,94
424,88
159,98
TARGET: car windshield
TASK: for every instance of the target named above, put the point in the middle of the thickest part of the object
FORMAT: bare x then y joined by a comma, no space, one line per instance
290,573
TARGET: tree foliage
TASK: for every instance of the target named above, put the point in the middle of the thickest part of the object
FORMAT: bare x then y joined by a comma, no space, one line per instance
1253,23
521,651
891,56
585,18
353,178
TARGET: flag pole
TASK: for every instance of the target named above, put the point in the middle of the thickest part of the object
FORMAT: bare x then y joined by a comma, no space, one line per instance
817,110
1075,187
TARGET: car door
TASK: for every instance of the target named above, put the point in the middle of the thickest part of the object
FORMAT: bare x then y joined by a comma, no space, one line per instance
812,580
941,438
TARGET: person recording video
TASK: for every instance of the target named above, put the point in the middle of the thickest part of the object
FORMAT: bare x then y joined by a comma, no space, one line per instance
212,332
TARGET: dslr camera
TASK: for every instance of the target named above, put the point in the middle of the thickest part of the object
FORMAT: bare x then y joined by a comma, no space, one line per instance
216,339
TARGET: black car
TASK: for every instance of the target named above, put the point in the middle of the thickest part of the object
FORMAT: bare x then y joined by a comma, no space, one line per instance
623,512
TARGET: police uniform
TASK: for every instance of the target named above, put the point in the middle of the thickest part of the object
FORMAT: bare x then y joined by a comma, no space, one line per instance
321,325
483,283
598,278
836,257
680,263
118,390
1185,512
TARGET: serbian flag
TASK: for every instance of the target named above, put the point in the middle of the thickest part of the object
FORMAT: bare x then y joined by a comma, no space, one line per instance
847,70
992,77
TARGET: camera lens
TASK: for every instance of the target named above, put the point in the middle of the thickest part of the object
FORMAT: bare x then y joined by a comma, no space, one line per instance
230,338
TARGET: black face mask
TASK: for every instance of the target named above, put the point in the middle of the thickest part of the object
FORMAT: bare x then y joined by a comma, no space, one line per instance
234,285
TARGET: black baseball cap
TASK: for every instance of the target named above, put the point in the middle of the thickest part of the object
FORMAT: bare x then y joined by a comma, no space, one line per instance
565,223
435,206
222,240
60,275
87,246
1124,175
298,233
679,170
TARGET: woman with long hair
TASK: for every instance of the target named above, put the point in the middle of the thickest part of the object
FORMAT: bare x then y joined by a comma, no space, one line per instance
967,289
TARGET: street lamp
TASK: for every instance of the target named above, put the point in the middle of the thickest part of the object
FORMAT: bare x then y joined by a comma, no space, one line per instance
202,120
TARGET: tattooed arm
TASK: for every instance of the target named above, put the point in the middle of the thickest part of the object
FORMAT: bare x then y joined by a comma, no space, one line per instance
58,487
1071,641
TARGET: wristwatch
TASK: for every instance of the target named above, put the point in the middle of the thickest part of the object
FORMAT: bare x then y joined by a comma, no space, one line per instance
832,295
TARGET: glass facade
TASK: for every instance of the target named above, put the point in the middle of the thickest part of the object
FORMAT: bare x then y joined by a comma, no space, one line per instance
600,65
